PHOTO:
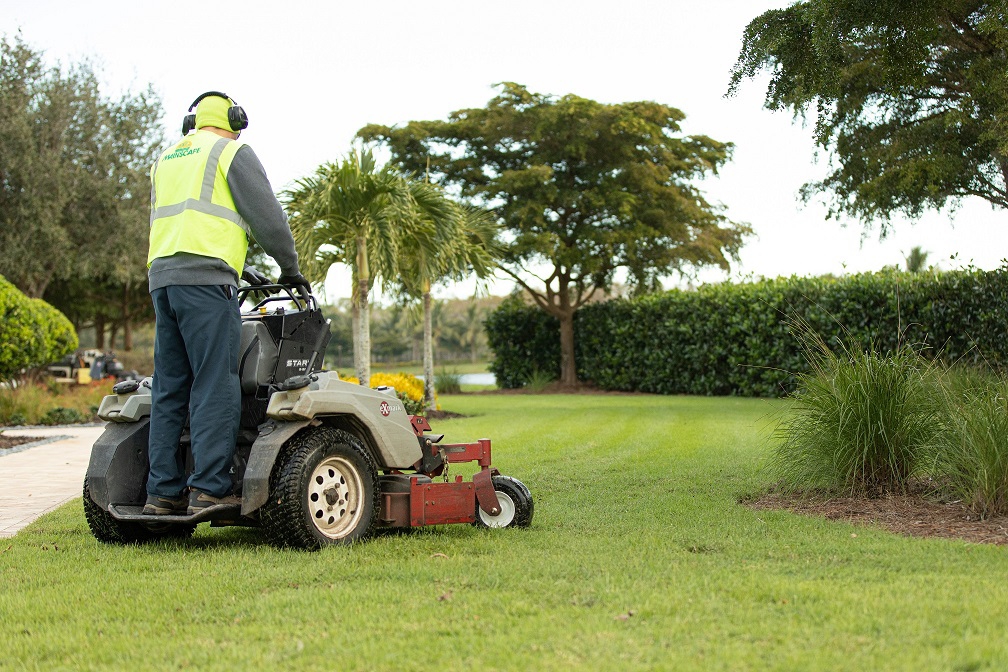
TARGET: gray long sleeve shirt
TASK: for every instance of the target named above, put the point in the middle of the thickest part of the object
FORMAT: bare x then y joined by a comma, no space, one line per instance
255,202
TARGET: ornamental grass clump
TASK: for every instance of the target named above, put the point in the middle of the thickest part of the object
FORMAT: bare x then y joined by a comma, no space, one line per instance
859,422
969,458
448,382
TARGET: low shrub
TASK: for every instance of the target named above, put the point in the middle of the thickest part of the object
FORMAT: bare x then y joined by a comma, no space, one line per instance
969,457
734,338
448,382
63,416
860,422
864,422
32,333
538,381
46,403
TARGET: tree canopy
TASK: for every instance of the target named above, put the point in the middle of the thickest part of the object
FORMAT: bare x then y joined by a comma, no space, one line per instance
582,189
909,98
74,192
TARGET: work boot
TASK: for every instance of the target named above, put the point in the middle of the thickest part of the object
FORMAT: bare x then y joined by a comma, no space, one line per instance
200,501
165,506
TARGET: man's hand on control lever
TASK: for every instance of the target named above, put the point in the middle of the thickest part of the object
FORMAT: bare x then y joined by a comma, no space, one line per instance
253,276
299,281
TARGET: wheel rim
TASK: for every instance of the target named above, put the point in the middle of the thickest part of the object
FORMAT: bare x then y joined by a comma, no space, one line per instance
505,517
334,497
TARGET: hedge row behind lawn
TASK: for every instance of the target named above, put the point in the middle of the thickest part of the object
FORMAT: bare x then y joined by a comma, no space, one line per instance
736,339
32,332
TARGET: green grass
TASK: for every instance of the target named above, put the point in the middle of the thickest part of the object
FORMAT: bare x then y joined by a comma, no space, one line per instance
636,511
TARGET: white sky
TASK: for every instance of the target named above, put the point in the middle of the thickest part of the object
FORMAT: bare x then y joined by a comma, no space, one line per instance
310,74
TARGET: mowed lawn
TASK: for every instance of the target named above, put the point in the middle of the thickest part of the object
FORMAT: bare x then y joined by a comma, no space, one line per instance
639,557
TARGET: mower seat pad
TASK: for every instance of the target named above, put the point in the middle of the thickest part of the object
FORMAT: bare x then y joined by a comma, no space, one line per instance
257,356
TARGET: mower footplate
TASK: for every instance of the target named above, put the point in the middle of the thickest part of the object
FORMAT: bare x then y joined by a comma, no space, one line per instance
134,513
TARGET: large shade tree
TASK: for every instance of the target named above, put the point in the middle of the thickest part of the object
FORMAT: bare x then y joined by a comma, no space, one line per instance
910,99
74,193
73,164
581,188
108,284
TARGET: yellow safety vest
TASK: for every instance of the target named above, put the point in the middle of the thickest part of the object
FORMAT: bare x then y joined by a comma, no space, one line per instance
192,209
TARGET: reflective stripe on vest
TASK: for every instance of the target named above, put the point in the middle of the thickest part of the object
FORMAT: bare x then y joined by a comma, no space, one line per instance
201,226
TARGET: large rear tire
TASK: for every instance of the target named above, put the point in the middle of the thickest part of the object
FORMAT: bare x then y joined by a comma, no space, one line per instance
108,530
323,491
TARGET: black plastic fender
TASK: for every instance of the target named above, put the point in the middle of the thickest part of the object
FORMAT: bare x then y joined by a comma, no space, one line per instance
117,471
272,436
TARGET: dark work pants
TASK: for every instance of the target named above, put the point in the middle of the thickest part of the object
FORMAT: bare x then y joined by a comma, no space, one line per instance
197,336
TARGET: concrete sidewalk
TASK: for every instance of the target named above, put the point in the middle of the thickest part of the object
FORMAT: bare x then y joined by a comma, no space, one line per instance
35,480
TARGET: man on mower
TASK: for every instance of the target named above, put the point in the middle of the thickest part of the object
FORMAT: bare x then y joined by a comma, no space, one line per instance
208,192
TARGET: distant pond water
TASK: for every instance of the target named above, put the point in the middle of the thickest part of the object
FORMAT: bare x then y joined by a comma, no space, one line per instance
486,378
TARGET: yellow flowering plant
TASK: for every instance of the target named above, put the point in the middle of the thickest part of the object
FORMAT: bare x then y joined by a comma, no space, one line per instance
409,389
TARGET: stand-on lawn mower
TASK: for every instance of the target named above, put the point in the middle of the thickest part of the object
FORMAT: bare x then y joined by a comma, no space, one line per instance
318,460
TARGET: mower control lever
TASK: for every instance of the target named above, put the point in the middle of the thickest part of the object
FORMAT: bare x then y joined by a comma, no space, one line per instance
296,382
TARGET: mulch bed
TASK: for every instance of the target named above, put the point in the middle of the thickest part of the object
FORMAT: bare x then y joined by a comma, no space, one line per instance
7,442
912,515
441,415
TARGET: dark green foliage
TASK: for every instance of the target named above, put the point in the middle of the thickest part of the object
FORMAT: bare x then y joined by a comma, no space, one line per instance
74,188
910,98
523,339
735,339
32,333
64,416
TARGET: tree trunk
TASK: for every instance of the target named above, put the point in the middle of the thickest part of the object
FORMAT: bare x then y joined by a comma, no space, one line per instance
99,330
428,350
35,287
568,368
127,323
565,313
362,353
354,323
113,332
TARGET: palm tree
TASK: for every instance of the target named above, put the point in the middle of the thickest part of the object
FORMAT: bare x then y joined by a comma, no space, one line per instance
356,214
463,242
472,327
916,259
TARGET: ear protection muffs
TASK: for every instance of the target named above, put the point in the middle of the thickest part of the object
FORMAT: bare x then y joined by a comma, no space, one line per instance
237,118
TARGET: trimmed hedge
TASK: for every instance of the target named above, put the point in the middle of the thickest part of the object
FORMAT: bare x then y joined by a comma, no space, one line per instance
524,339
32,333
736,339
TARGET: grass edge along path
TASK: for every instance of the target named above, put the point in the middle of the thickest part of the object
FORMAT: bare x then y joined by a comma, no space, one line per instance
639,557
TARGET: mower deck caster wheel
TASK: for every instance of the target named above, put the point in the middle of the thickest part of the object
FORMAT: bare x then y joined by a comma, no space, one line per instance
516,503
